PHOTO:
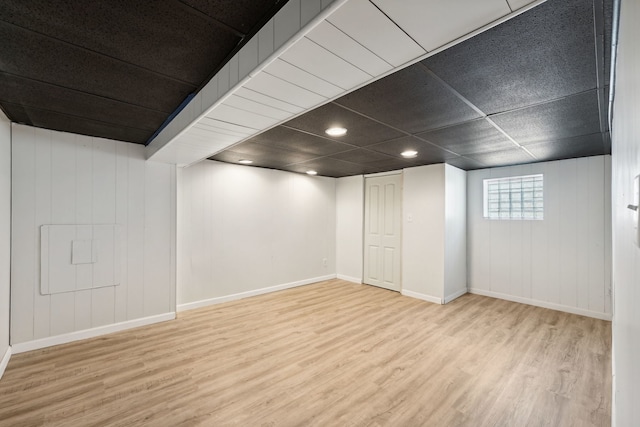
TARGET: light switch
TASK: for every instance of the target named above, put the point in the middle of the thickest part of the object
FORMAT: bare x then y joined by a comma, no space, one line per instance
409,217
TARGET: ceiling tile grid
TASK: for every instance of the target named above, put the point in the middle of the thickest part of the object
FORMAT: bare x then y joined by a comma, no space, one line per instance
531,88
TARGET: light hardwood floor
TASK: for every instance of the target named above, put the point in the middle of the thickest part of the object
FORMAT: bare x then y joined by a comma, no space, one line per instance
327,354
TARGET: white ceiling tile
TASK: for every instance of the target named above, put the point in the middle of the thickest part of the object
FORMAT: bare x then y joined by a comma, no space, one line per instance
255,107
214,135
267,100
435,23
230,114
242,130
299,77
519,4
364,23
317,60
331,38
284,91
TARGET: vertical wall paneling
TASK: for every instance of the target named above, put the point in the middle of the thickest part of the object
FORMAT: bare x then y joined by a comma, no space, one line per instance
455,218
5,237
423,231
626,253
286,23
23,267
135,233
349,223
308,10
265,41
248,58
84,215
44,210
559,262
66,179
122,178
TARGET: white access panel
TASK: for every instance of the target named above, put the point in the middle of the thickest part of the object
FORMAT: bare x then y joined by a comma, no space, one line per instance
78,257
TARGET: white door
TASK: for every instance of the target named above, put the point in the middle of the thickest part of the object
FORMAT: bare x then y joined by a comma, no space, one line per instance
382,231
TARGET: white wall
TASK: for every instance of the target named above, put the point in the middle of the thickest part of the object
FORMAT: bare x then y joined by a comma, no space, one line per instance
349,227
562,262
5,237
423,232
62,178
243,229
626,255
455,259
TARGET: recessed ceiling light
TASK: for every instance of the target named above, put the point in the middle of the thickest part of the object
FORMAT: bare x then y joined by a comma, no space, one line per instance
312,173
245,161
409,154
336,131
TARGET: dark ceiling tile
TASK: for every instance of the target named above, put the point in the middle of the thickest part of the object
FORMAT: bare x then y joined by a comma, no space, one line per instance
427,153
571,116
17,90
262,155
57,121
543,54
512,156
242,15
392,165
361,131
465,163
410,100
361,156
477,136
296,141
327,166
85,71
16,113
580,146
159,36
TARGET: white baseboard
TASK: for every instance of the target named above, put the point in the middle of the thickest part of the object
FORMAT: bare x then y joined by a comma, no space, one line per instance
357,280
5,361
424,297
233,297
89,333
543,304
454,295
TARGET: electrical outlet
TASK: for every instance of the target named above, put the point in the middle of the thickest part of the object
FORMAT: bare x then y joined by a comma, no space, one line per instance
324,262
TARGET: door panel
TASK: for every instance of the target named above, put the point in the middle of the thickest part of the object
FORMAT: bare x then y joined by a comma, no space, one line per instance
383,216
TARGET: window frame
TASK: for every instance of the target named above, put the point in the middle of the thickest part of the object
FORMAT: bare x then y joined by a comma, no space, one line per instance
518,215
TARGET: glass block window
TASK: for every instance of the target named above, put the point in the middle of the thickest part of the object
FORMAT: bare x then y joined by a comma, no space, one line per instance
516,197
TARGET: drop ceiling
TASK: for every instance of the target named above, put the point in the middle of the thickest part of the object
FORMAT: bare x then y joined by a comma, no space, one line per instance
532,88
116,69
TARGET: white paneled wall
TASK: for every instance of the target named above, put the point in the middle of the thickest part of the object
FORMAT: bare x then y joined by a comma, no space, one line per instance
433,233
626,254
562,262
455,223
349,227
61,178
244,231
5,237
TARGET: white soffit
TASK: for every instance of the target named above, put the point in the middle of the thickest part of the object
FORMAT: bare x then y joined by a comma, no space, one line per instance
363,22
349,44
435,23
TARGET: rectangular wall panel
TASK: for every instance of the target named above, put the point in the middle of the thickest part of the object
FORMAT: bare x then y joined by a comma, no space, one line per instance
87,185
561,260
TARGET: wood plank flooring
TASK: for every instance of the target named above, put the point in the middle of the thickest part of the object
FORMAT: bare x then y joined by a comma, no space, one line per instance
327,354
